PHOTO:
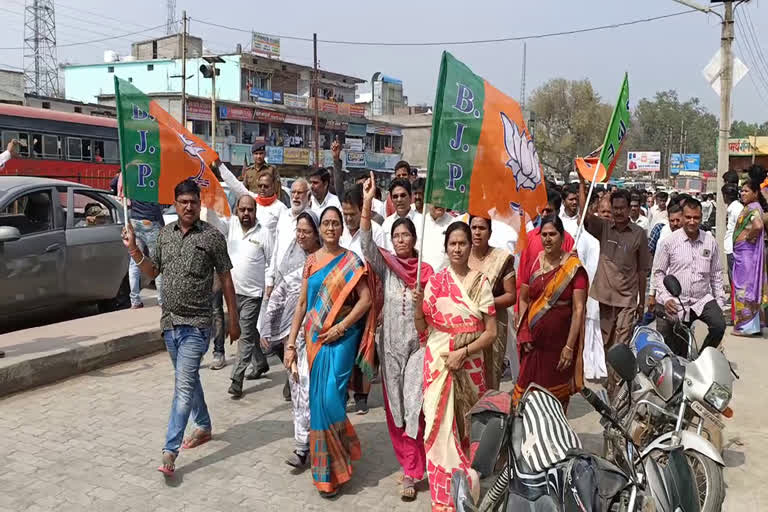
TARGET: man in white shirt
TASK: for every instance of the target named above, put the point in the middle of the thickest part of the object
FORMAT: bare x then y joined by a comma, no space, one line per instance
658,211
400,193
433,248
11,151
250,248
322,198
569,211
286,229
352,207
731,198
674,222
269,205
636,214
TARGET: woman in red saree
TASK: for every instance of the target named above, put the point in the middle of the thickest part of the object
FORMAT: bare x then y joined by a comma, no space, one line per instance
457,310
551,326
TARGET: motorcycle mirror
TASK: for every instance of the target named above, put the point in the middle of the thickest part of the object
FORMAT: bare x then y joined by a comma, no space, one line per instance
673,285
621,359
462,496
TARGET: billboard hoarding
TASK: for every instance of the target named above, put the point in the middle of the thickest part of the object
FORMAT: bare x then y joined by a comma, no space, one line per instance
648,161
265,45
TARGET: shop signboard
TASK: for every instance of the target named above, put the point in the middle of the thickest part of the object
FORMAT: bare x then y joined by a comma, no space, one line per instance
356,130
199,110
274,155
289,119
357,110
265,45
295,156
355,159
240,154
277,97
354,144
238,113
268,116
337,126
675,164
294,101
261,95
648,161
382,161
383,129
332,107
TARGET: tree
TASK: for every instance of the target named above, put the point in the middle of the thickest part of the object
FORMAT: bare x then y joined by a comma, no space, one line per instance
658,123
570,121
742,130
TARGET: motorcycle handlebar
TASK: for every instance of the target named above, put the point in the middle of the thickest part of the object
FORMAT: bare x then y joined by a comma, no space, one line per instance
596,402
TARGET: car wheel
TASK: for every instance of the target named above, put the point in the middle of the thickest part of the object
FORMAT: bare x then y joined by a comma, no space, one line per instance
120,301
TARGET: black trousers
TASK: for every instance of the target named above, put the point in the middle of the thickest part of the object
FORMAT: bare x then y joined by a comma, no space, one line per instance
711,315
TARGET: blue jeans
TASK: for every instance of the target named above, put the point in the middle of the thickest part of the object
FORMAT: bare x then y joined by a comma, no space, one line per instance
186,345
146,238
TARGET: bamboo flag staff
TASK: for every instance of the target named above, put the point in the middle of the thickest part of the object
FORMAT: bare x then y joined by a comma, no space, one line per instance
481,157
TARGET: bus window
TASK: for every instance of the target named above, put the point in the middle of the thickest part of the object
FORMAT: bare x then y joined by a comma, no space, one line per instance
98,151
110,151
23,139
74,148
51,147
36,145
86,146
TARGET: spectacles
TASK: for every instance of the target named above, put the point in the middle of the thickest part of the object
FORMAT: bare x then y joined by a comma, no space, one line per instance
402,236
298,192
330,223
304,233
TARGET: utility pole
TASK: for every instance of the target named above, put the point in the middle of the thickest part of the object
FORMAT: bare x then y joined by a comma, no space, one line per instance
315,100
184,68
726,83
213,107
522,83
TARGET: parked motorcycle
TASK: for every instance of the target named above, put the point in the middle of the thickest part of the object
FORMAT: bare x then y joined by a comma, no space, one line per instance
546,468
666,401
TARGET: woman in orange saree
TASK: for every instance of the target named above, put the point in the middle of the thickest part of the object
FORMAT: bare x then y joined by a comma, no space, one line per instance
457,310
552,312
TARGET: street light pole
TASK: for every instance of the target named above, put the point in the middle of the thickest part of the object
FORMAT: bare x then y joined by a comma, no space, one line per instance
726,83
213,106
184,69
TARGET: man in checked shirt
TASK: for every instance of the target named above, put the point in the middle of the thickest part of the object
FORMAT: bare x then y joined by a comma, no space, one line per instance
691,255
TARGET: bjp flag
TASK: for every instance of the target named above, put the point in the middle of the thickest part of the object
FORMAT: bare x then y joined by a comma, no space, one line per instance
613,142
157,153
481,156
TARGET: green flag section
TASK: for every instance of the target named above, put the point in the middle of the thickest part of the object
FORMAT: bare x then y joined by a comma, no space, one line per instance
613,142
481,157
157,153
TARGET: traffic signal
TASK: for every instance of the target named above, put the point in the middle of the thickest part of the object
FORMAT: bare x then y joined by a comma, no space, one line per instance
207,70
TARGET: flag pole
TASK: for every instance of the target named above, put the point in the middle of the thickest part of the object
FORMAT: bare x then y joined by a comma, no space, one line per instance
120,149
586,203
421,241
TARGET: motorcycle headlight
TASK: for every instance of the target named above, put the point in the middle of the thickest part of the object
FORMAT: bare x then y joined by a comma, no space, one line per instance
718,396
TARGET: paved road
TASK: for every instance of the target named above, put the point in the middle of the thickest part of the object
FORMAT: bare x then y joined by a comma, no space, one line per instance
93,443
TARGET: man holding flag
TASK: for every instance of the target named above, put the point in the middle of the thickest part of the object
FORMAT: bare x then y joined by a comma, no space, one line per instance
163,163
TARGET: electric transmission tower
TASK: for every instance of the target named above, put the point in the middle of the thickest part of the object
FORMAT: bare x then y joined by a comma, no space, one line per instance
171,26
41,74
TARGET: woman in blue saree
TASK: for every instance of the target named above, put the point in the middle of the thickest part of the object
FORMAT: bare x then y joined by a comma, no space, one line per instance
333,311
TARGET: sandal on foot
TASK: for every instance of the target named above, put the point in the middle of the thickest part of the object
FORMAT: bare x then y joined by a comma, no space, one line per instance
329,495
198,437
168,467
297,460
408,490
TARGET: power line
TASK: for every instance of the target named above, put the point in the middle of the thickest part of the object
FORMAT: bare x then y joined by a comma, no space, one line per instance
120,36
756,41
99,15
454,43
749,44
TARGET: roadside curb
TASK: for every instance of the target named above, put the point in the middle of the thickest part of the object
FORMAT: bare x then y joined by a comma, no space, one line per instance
32,372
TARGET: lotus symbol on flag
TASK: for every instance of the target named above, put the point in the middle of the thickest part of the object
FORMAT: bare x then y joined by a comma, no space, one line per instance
193,150
523,158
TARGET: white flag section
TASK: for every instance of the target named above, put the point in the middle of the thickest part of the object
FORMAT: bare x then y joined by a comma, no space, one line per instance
714,69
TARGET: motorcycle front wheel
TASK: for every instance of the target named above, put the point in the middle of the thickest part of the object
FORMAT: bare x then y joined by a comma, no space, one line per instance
709,481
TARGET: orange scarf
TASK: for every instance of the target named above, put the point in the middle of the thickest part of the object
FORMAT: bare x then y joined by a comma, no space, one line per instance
265,201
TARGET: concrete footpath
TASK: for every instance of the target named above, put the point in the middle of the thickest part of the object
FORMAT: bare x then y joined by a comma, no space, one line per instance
43,355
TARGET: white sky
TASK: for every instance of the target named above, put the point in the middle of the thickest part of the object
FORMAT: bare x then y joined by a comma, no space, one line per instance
660,55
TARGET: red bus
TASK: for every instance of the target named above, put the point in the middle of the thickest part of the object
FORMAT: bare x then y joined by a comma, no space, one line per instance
72,147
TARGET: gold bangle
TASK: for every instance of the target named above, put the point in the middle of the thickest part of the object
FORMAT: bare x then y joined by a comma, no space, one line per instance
138,263
291,347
